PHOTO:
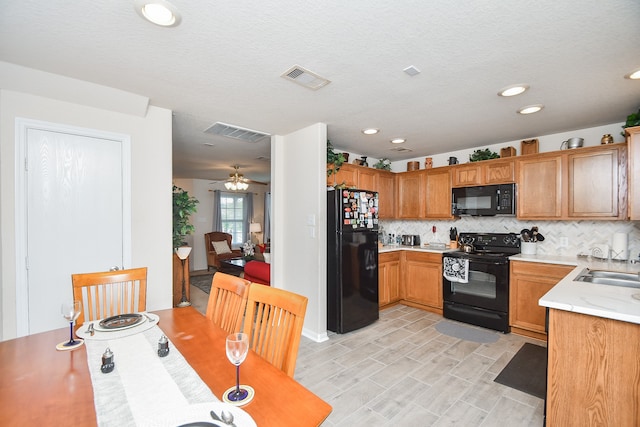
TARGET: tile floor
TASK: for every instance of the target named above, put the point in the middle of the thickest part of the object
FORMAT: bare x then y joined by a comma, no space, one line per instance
401,372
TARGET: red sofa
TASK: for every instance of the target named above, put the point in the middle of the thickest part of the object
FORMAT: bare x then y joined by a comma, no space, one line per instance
258,272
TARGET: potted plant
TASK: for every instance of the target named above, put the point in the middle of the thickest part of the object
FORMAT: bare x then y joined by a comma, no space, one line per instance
183,207
485,154
384,164
334,160
633,119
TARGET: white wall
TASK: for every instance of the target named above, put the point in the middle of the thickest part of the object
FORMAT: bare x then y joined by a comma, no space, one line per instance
202,220
150,131
546,143
299,207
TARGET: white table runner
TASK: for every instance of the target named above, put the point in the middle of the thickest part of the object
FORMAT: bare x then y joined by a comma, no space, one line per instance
142,384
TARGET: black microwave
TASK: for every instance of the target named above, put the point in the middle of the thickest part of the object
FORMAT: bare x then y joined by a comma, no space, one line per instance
484,200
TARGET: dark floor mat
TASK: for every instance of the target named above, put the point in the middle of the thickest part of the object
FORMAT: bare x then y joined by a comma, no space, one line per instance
527,371
202,282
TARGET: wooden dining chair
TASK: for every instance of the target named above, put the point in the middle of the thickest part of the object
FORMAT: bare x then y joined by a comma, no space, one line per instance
110,293
227,301
274,322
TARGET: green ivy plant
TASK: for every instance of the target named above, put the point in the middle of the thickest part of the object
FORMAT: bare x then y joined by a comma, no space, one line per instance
485,154
183,207
633,119
334,160
384,164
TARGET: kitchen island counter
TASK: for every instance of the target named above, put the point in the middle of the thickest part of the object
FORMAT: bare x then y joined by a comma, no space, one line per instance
611,302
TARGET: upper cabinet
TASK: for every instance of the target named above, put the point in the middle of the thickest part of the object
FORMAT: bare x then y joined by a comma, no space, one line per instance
411,194
484,172
386,186
597,183
539,186
347,175
438,193
366,178
633,147
581,183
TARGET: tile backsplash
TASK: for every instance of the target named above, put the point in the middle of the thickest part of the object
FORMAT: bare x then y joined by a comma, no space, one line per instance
581,236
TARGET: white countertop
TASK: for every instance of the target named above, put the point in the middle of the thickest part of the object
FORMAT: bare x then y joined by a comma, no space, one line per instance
393,248
612,302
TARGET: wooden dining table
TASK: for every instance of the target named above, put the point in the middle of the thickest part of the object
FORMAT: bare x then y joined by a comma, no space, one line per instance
42,386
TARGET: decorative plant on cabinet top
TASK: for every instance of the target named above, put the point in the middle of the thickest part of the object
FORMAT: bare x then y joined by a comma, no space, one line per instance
334,160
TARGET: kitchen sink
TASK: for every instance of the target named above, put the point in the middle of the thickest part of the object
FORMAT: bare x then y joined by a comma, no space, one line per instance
611,278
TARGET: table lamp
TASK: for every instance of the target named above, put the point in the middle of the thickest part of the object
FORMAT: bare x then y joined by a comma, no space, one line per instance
255,228
183,253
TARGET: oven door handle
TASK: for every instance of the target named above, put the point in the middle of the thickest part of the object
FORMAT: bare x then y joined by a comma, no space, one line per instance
486,262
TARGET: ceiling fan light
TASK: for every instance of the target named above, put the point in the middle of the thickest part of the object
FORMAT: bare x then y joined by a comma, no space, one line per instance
530,109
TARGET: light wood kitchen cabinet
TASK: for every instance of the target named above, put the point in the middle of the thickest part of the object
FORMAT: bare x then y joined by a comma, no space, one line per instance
467,175
593,376
347,175
437,191
411,194
633,179
588,182
597,182
367,179
529,281
386,193
422,284
484,173
388,278
499,171
539,186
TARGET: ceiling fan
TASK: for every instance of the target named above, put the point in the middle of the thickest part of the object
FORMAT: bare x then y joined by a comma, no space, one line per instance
237,181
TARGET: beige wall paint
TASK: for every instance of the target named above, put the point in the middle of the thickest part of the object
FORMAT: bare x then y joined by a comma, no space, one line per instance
202,189
151,171
298,198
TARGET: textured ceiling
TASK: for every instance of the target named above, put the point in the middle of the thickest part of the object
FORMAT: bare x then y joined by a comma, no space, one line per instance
224,61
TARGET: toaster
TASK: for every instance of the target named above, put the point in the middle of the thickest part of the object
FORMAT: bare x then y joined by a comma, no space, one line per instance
411,240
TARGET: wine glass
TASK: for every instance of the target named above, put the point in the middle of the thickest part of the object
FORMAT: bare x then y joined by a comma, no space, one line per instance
71,311
237,348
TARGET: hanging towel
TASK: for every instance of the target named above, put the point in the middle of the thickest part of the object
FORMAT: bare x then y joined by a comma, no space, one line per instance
456,269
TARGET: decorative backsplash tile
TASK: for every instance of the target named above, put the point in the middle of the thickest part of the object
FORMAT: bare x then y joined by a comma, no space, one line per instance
582,236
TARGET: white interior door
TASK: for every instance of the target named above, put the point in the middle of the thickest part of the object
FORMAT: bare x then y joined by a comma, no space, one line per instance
77,216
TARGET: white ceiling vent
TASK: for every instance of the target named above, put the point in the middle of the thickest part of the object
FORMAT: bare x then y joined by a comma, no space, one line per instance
400,149
236,132
305,77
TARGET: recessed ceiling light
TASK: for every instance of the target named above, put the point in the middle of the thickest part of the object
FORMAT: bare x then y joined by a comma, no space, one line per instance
530,109
513,90
634,75
159,12
370,131
398,140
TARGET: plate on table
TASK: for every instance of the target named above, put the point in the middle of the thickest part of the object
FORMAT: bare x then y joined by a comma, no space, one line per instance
121,321
199,414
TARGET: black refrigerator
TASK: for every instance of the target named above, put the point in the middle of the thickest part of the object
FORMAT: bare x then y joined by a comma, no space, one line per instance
352,259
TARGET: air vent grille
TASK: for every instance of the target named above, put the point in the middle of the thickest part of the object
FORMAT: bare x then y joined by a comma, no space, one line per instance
304,77
235,132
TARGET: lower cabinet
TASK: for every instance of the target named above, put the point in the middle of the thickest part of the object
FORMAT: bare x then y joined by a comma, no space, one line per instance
422,284
529,281
593,374
388,278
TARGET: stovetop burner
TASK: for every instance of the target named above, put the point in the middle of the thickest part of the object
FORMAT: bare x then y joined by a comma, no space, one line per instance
492,244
